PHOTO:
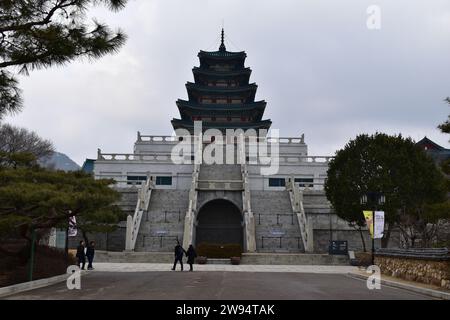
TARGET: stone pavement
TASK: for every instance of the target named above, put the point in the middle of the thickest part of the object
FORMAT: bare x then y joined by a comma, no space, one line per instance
216,285
144,267
414,286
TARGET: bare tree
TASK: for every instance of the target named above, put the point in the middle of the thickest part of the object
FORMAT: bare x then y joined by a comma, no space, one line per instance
15,140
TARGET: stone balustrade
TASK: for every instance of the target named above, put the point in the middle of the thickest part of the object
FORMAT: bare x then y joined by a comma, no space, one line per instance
308,159
154,157
176,139
156,139
166,157
290,159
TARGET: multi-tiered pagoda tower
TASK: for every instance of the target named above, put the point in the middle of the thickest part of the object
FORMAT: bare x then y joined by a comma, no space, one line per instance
221,97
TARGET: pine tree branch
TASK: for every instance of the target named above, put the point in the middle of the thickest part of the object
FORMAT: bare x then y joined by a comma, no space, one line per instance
42,22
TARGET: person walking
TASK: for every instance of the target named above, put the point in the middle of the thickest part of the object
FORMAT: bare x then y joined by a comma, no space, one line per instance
81,255
179,251
90,254
191,255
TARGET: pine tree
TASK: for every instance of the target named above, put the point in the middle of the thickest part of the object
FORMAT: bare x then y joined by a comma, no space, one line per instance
35,199
412,184
445,127
44,33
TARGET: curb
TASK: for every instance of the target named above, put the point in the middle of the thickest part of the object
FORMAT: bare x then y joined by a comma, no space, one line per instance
429,292
31,285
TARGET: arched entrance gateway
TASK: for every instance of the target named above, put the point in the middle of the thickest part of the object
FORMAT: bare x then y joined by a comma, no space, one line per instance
219,222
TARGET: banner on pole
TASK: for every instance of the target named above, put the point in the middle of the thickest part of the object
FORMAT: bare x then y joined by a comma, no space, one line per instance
368,215
72,227
379,223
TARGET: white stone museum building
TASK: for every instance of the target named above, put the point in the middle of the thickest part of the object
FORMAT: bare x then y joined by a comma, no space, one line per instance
266,195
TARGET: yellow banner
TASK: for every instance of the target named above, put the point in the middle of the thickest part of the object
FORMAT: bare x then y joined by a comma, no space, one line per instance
368,215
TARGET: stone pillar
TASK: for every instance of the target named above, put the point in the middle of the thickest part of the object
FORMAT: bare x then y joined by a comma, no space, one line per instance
250,242
310,234
188,230
129,234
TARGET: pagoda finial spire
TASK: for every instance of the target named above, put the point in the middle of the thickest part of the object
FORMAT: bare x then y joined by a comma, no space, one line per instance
222,43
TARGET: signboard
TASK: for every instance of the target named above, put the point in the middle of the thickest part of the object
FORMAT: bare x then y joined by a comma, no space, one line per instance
338,247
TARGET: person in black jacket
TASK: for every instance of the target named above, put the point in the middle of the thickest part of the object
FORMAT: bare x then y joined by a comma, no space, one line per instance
179,251
90,254
191,255
81,255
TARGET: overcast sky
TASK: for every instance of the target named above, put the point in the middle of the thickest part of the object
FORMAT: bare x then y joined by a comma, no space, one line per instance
322,72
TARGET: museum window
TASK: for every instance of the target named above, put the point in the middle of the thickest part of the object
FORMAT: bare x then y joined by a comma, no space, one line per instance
305,182
164,181
136,179
277,182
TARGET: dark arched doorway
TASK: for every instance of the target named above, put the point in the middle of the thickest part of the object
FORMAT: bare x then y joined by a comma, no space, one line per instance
220,222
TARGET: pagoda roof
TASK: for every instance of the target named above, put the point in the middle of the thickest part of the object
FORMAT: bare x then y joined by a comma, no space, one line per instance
220,55
214,89
229,73
254,110
264,124
222,107
430,145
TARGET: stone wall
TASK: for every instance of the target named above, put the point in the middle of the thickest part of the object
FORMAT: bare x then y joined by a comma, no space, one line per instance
322,239
443,234
293,259
111,241
426,270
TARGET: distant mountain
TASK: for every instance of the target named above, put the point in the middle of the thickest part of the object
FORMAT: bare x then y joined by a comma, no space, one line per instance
60,161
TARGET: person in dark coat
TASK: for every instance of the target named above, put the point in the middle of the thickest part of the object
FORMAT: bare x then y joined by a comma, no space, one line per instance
81,255
90,251
191,255
179,251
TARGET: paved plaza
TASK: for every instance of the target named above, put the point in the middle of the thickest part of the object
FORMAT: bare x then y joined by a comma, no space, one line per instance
143,267
218,282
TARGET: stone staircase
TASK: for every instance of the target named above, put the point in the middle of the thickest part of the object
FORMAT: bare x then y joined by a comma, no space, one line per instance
315,199
128,200
164,222
276,227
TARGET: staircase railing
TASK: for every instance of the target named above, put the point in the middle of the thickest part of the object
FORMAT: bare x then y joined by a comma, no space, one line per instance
192,208
188,234
249,218
296,197
143,201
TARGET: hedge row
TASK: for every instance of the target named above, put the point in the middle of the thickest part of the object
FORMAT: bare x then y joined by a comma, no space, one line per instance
219,251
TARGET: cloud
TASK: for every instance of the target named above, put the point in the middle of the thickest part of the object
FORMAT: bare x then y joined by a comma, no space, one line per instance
320,69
